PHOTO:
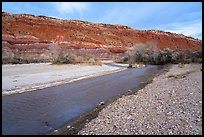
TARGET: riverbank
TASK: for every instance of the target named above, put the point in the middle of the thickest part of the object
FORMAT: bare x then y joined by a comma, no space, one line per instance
171,104
77,124
19,78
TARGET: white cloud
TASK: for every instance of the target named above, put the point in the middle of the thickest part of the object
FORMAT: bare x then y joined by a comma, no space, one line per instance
132,13
193,29
71,7
167,16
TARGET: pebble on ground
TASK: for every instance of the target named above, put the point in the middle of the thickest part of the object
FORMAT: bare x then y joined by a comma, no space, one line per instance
168,105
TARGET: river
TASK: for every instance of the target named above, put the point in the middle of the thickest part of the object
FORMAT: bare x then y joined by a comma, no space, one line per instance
41,111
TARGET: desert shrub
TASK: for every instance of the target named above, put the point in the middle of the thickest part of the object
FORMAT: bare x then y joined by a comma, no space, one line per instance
121,60
7,55
98,62
129,65
174,58
19,60
196,56
152,58
181,65
80,59
92,61
188,56
149,54
67,58
58,56
139,56
14,57
63,57
136,54
165,56
56,53
146,53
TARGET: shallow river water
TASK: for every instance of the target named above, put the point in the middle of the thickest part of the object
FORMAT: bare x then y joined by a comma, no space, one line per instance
41,111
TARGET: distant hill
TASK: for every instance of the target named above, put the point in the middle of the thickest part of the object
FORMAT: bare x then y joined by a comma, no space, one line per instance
34,34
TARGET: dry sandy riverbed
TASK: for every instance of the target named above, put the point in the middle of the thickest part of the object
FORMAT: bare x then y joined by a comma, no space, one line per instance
171,104
27,77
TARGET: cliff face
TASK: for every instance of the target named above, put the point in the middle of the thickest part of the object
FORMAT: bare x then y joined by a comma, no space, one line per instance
34,34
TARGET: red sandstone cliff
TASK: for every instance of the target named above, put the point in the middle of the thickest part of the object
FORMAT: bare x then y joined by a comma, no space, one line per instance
34,34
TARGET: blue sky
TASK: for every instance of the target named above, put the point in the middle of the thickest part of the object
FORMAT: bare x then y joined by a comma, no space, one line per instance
179,17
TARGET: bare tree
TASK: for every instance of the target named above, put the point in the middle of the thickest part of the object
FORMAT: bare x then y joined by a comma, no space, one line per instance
136,54
7,55
55,51
152,48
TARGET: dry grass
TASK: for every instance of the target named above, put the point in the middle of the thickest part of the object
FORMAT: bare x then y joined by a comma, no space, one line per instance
181,65
182,74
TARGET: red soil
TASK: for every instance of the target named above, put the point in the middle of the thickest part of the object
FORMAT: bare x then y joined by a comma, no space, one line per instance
36,33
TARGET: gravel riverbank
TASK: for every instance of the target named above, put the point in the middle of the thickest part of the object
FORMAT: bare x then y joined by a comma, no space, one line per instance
171,104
